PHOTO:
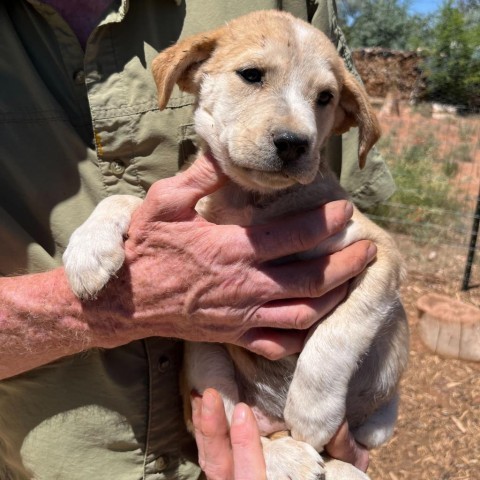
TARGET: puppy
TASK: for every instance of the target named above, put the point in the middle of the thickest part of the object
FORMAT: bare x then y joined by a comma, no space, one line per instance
271,90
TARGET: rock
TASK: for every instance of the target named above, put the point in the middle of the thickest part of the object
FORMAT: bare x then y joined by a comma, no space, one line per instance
441,111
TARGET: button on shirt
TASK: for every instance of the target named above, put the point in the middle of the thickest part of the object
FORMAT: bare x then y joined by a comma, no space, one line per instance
164,364
76,127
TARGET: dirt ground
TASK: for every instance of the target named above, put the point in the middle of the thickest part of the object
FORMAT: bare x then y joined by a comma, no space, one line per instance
438,432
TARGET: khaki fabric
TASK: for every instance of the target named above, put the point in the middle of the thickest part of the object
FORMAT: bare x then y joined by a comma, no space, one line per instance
76,127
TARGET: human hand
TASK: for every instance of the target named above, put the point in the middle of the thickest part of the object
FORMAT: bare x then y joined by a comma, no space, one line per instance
187,278
236,453
344,447
223,452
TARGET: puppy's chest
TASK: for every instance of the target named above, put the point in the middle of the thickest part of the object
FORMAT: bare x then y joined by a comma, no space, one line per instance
233,205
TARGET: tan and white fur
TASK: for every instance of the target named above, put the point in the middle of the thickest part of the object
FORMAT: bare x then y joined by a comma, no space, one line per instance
270,91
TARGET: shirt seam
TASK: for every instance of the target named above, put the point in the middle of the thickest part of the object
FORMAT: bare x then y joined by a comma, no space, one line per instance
149,409
120,111
133,163
98,150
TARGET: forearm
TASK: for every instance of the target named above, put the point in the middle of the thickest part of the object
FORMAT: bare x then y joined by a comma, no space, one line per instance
186,278
41,321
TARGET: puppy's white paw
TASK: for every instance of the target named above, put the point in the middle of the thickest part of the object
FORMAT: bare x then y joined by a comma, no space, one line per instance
289,459
95,251
93,256
337,470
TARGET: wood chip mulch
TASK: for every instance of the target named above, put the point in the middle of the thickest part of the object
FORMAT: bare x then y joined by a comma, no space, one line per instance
438,431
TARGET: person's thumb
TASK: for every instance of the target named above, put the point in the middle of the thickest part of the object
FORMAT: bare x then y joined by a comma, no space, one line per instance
175,198
203,177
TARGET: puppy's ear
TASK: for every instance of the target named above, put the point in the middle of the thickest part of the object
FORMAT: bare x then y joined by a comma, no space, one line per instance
179,63
354,110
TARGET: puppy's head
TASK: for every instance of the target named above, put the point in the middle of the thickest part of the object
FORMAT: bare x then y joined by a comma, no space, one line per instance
270,90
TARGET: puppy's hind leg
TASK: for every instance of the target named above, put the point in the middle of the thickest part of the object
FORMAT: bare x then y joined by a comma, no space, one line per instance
372,417
95,251
378,427
208,365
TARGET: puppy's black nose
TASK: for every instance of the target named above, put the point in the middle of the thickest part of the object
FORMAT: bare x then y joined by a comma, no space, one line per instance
290,146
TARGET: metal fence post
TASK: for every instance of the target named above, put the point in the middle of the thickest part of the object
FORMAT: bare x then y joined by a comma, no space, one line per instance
472,246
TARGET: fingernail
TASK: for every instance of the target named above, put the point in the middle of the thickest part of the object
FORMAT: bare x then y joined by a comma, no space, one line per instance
372,251
239,414
348,210
208,402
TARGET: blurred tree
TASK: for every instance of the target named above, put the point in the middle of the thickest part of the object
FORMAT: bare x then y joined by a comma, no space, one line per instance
452,62
348,11
467,6
449,40
376,23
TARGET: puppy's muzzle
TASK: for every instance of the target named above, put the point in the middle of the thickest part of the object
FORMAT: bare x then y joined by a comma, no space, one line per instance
290,147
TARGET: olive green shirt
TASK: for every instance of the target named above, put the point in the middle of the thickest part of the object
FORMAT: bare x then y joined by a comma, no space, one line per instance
76,127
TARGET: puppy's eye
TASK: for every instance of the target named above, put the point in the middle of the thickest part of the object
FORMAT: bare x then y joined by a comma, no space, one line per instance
251,75
324,98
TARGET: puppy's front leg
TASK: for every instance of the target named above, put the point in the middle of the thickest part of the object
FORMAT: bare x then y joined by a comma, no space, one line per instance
95,250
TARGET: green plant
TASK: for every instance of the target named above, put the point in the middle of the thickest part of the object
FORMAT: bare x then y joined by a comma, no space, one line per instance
463,153
421,149
376,23
423,108
452,63
450,168
423,193
466,131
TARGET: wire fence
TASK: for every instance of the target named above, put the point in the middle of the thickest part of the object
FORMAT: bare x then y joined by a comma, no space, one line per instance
434,155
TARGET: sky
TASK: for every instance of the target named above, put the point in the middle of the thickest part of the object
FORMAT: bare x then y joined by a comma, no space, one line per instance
425,6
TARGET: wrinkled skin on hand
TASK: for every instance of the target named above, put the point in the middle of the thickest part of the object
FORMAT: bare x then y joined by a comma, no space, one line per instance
187,278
